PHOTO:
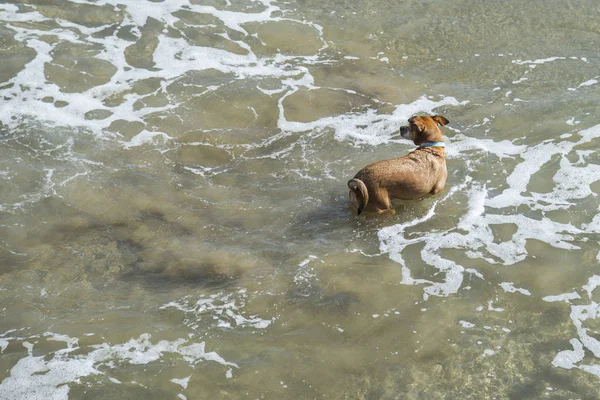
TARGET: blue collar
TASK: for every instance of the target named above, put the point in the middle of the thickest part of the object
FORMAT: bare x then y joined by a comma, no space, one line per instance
432,144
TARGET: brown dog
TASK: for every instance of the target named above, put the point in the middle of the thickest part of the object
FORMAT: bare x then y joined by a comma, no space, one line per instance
413,176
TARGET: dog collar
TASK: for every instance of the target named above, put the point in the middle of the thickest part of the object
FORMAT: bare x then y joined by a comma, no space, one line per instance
432,144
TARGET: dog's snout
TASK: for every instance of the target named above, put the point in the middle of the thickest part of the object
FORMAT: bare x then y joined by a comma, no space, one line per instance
405,132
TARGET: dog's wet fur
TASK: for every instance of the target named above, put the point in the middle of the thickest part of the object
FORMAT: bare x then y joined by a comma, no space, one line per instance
413,176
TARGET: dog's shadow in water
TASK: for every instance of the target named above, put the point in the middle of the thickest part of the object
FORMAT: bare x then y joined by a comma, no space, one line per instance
332,215
335,219
334,227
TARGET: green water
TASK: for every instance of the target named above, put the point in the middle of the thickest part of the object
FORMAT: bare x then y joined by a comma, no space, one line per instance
173,200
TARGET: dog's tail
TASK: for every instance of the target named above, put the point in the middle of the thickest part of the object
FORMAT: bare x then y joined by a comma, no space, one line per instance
361,194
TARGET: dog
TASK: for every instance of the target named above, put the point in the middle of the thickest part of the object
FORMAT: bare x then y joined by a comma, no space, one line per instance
413,176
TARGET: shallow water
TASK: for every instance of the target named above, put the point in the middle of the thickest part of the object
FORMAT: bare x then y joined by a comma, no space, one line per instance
173,206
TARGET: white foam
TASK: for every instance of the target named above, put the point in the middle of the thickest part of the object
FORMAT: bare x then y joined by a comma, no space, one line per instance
571,121
145,137
520,80
538,61
572,182
510,288
566,297
393,241
492,308
476,209
502,149
580,313
225,309
593,226
367,127
535,158
466,324
474,233
48,376
589,82
35,378
568,359
174,57
567,187
592,284
10,13
183,382
487,353
3,345
453,273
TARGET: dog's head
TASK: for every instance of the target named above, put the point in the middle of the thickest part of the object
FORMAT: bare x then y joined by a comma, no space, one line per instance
422,129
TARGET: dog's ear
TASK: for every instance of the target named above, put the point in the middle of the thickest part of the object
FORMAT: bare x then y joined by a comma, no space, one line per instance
440,120
417,121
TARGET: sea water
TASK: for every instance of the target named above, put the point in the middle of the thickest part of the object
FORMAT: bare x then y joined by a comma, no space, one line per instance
173,202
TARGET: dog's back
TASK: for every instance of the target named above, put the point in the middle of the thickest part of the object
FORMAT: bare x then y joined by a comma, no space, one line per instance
413,176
